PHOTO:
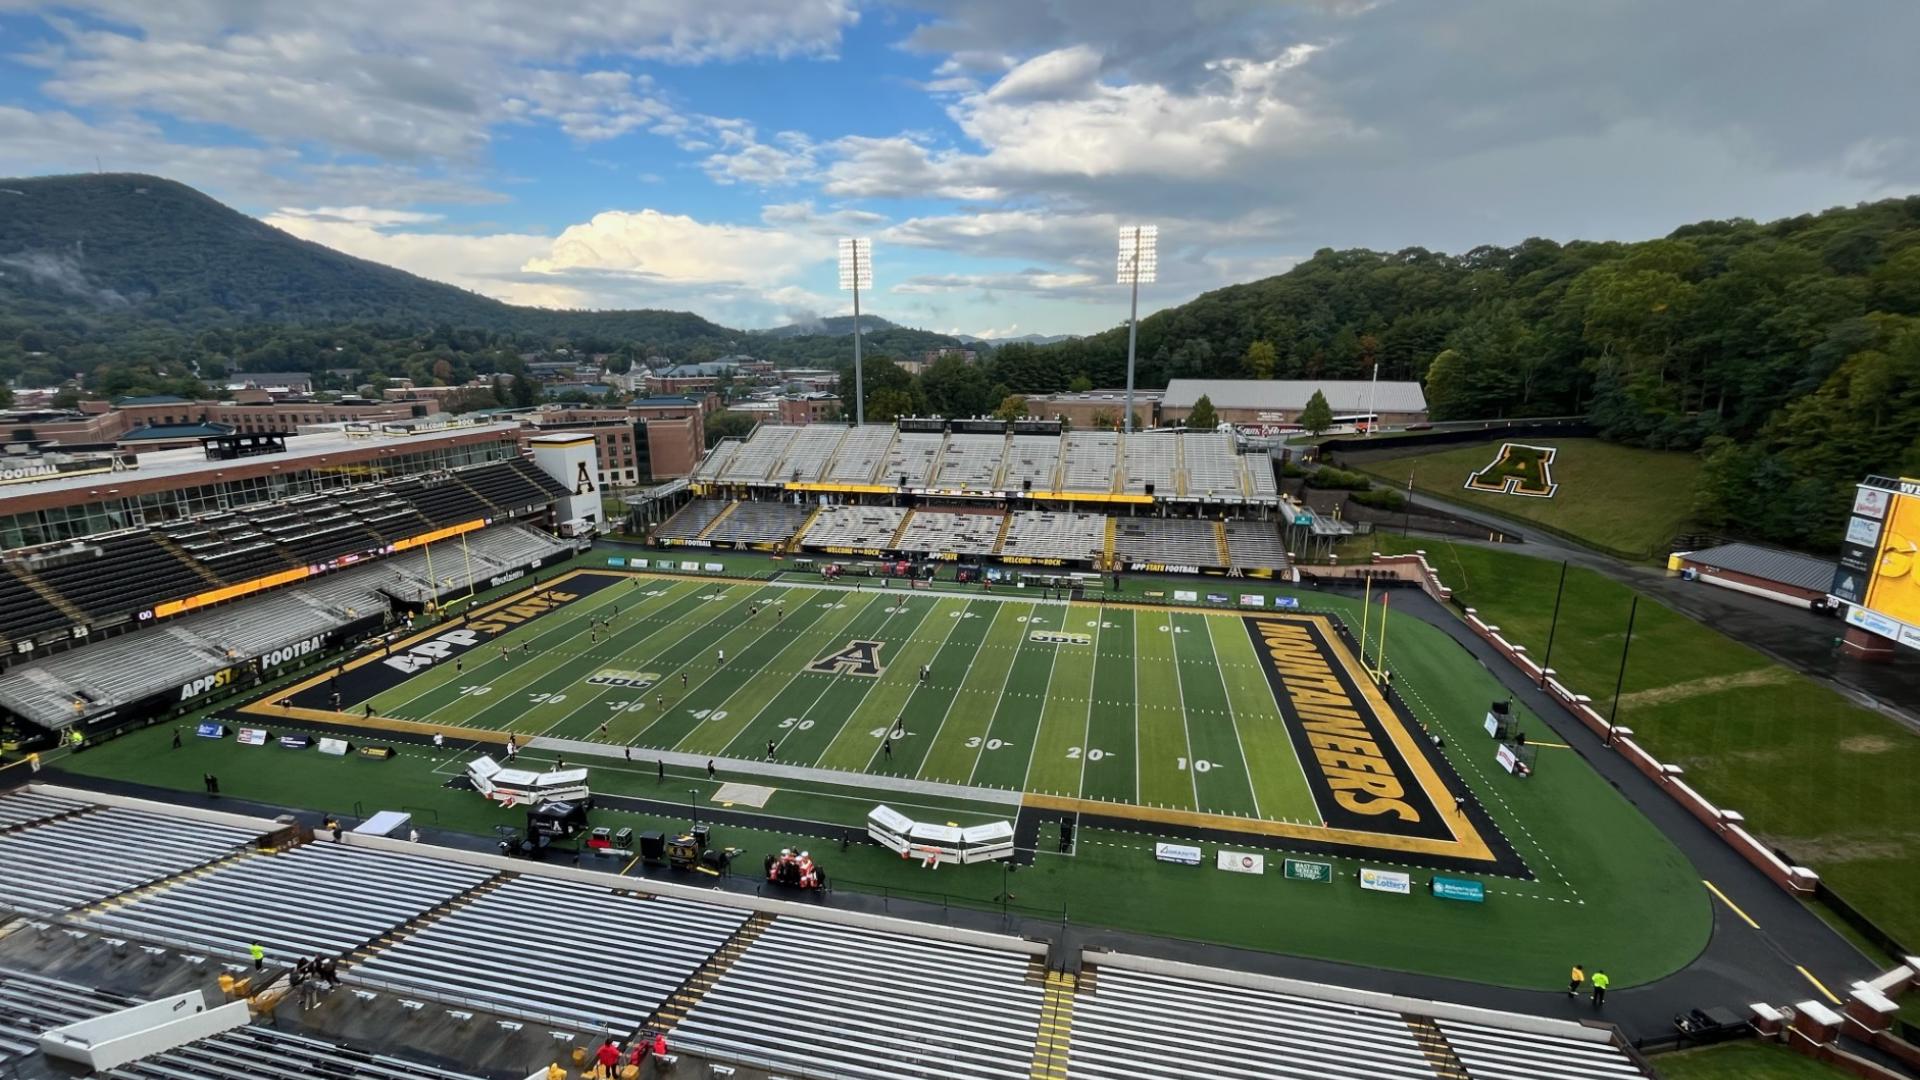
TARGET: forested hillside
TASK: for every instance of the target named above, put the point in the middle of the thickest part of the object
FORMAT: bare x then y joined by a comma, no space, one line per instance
1788,353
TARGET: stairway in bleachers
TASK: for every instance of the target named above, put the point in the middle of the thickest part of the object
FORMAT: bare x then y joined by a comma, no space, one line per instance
793,542
1220,541
894,541
718,518
184,556
1055,1037
430,916
50,595
682,1000
1439,1052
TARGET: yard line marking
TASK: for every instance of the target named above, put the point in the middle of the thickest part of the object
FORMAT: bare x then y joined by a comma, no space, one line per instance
1715,890
833,683
1227,692
957,691
1817,984
1033,739
694,656
1180,691
894,723
1136,711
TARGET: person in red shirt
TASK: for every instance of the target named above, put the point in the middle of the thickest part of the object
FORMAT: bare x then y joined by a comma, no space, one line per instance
608,1058
660,1044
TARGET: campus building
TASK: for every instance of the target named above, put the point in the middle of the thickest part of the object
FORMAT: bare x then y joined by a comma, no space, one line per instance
652,438
1262,402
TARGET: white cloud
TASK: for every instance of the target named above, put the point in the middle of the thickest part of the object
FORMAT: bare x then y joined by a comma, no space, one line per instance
1031,280
488,264
674,247
749,161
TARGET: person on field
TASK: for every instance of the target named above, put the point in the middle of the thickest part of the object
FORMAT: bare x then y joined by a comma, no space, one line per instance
1600,982
770,749
258,954
607,1058
1578,976
711,771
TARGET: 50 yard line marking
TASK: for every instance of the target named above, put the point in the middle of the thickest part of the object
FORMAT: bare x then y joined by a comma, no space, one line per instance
833,682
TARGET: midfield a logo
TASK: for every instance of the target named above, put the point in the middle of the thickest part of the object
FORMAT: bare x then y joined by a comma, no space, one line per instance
858,658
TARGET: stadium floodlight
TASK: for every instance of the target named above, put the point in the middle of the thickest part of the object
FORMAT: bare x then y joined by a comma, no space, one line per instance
856,273
1139,261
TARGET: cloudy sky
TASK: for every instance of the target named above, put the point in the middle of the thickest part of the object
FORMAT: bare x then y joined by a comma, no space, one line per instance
704,154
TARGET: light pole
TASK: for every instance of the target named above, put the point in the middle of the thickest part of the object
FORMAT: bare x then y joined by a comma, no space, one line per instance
1139,260
1620,682
856,271
693,805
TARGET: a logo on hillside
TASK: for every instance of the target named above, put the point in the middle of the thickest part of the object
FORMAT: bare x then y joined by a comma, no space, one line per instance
857,658
611,677
1517,469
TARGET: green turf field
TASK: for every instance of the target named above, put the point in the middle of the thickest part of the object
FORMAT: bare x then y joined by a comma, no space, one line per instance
1155,708
1617,498
1744,1061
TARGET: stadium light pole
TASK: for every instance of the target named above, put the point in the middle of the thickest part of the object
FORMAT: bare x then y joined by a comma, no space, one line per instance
1614,712
1554,625
856,270
1139,261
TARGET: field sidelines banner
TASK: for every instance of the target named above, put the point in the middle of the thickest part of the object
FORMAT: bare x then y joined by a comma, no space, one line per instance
1453,888
1184,854
1240,862
1307,870
1389,881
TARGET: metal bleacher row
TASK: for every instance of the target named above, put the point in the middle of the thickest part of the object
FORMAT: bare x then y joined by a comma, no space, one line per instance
95,854
1178,464
1170,541
816,998
31,1005
104,580
132,666
600,961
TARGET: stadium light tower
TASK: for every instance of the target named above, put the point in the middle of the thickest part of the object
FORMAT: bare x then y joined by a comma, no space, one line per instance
856,272
1139,259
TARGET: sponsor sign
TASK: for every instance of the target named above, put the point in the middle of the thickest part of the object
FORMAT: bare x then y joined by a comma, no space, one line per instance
1055,637
637,564
295,742
612,677
1248,599
1856,558
715,568
1894,589
1453,888
1388,881
251,736
1031,560
207,684
1863,531
287,653
501,579
1240,862
1848,585
1218,598
1873,621
1307,870
211,731
1303,519
691,566
1286,602
378,753
1188,596
1163,568
1505,756
1871,502
1493,725
336,747
615,560
1184,854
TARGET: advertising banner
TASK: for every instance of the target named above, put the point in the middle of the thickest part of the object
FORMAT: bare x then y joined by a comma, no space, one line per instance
1894,590
1863,531
295,742
1184,854
336,747
1390,881
1464,889
1240,862
691,566
1248,599
715,568
211,731
1307,870
1506,758
1871,502
1188,596
1286,601
251,736
616,560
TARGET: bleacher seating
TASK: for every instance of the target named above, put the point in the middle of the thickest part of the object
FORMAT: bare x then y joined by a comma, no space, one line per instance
319,898
854,526
1049,534
761,523
1260,471
1087,462
910,460
600,960
74,861
756,458
26,612
1499,1054
809,453
1118,1033
1031,461
1256,545
1172,541
815,999
25,807
32,1005
717,459
116,575
860,453
514,486
962,534
971,462
263,1053
691,519
1212,465
1151,458
132,666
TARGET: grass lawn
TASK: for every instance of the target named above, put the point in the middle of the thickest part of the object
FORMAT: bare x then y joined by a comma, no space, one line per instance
1617,498
1827,781
1743,1061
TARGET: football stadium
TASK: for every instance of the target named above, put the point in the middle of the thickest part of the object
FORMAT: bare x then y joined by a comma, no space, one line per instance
1033,739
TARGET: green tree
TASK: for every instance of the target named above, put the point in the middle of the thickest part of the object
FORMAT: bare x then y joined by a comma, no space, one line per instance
1318,415
888,404
1261,360
1105,419
1202,417
1080,384
1448,395
1012,407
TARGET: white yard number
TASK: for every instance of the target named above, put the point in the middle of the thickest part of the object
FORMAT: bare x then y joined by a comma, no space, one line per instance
476,690
1073,754
630,706
992,744
797,724
1199,765
549,699
708,714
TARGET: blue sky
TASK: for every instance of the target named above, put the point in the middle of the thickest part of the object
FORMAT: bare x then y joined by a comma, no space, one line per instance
705,155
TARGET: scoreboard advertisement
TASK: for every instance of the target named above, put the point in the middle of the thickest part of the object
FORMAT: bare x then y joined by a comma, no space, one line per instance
1879,574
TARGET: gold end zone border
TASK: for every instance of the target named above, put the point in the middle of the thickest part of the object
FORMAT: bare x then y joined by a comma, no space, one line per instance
1467,843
